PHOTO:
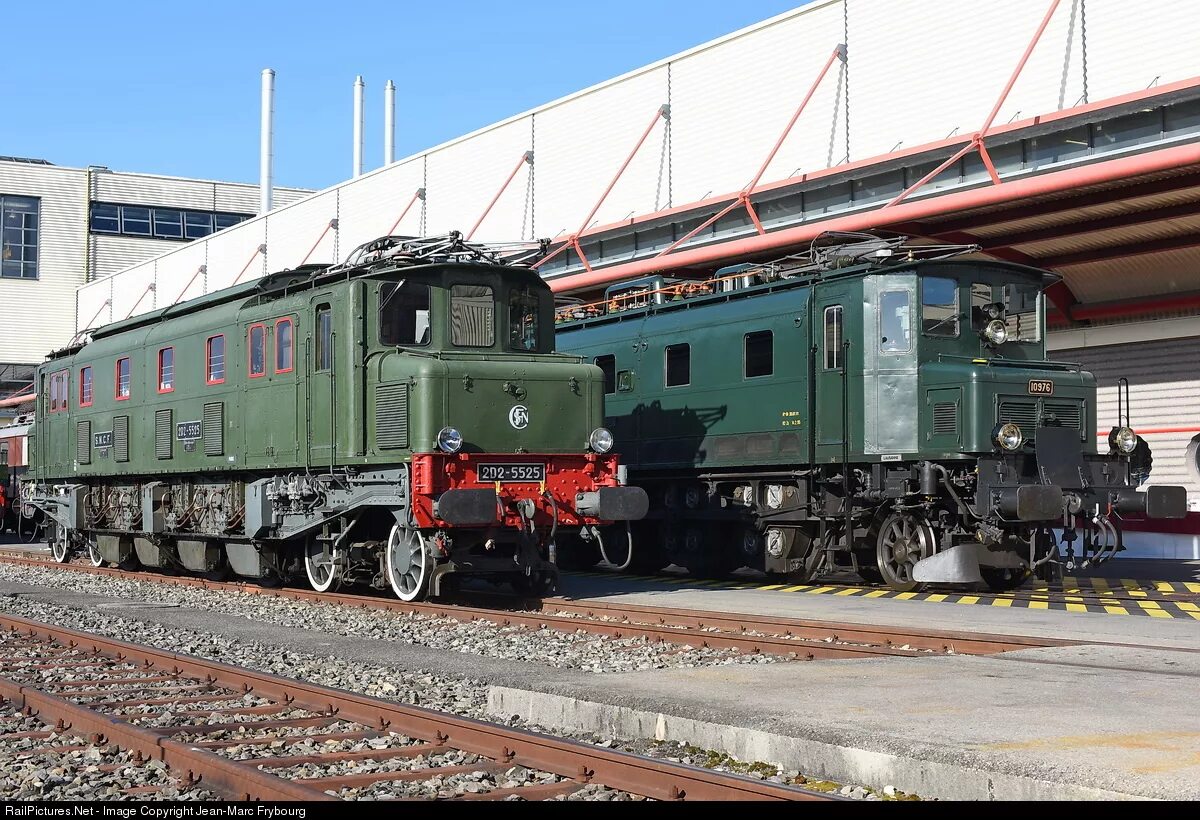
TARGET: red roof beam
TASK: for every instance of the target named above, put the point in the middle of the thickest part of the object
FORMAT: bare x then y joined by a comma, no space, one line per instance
1171,243
1127,220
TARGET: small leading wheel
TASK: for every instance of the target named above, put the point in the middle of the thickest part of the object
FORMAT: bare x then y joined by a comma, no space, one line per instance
324,568
60,546
903,541
409,568
94,553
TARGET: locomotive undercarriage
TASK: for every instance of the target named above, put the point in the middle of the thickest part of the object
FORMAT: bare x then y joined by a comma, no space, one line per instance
341,530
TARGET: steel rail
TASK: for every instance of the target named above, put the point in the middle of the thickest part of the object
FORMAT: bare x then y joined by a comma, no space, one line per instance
507,746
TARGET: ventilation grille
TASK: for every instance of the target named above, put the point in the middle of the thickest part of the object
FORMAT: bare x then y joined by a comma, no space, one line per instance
162,433
945,418
83,442
121,438
391,416
1065,414
214,428
1024,414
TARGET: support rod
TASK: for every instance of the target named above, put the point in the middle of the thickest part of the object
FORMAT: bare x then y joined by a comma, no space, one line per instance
527,157
420,194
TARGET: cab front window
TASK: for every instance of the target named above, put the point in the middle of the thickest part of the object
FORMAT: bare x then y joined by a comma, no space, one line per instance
472,316
404,314
523,325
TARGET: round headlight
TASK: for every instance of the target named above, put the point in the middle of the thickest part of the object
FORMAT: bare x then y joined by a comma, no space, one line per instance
1008,436
1123,440
449,440
601,440
996,332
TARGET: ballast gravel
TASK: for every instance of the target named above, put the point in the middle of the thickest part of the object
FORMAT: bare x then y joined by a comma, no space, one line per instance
565,650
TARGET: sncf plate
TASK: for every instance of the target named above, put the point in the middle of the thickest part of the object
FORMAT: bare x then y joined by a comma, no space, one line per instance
1041,387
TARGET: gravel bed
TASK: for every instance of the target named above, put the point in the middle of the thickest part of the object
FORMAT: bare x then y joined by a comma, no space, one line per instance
308,746
34,772
573,650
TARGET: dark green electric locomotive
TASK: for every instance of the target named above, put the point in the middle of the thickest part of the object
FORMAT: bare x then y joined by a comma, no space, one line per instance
871,405
383,422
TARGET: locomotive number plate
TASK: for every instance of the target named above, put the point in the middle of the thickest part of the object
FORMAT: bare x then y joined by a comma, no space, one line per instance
1041,387
525,473
189,431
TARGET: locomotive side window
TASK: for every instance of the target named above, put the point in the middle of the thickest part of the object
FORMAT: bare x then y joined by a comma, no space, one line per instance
833,337
124,375
679,365
85,387
404,314
324,338
608,364
939,306
59,387
283,346
214,355
522,320
758,354
472,316
1021,312
257,345
166,370
894,334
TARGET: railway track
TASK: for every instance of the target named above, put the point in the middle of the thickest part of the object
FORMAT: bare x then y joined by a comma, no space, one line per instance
248,735
791,637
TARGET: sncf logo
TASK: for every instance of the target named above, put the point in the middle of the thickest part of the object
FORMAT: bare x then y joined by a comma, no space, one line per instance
518,416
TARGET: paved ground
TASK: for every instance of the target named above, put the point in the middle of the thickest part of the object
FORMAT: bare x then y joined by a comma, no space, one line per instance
1073,722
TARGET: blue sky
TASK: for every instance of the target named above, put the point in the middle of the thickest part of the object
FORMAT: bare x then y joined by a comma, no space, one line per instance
173,88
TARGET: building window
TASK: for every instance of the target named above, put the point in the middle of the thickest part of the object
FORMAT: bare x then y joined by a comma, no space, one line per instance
472,316
608,364
106,218
404,314
214,355
135,221
124,379
324,338
679,365
59,390
833,337
257,346
19,236
283,346
85,387
166,370
223,221
168,224
196,225
759,354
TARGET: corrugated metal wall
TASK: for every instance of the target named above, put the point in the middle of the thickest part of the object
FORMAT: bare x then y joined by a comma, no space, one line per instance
917,71
1164,390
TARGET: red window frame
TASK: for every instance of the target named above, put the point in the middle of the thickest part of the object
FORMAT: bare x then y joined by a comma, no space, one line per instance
117,379
208,379
291,346
159,383
91,386
250,350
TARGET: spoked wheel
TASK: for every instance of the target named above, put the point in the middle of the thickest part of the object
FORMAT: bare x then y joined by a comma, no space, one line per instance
903,541
60,550
324,568
28,527
94,553
409,567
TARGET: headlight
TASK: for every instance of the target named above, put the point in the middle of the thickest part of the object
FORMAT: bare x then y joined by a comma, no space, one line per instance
601,440
996,332
1008,436
449,440
1123,440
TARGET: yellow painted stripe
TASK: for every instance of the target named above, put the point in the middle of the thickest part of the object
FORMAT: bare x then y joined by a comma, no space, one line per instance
906,596
968,599
1039,605
771,586
821,590
1071,590
1195,615
796,588
1186,607
1112,609
1192,587
1163,586
1076,608
876,593
1002,602
849,591
938,597
1153,609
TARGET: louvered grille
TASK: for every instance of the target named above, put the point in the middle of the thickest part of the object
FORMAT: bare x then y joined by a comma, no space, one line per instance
1066,414
121,438
214,428
162,433
945,418
83,442
1024,414
391,416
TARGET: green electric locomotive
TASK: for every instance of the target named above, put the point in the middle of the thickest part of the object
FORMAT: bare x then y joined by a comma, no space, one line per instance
870,405
385,422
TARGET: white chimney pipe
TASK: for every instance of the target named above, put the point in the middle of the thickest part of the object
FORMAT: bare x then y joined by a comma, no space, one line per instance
266,140
389,123
359,87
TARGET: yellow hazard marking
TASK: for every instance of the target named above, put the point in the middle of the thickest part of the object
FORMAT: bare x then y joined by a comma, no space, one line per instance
876,593
1195,615
1076,608
849,591
796,589
1186,607
822,590
937,597
968,599
1002,602
1112,609
1191,587
905,596
1153,609
772,586
1163,586
1039,605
